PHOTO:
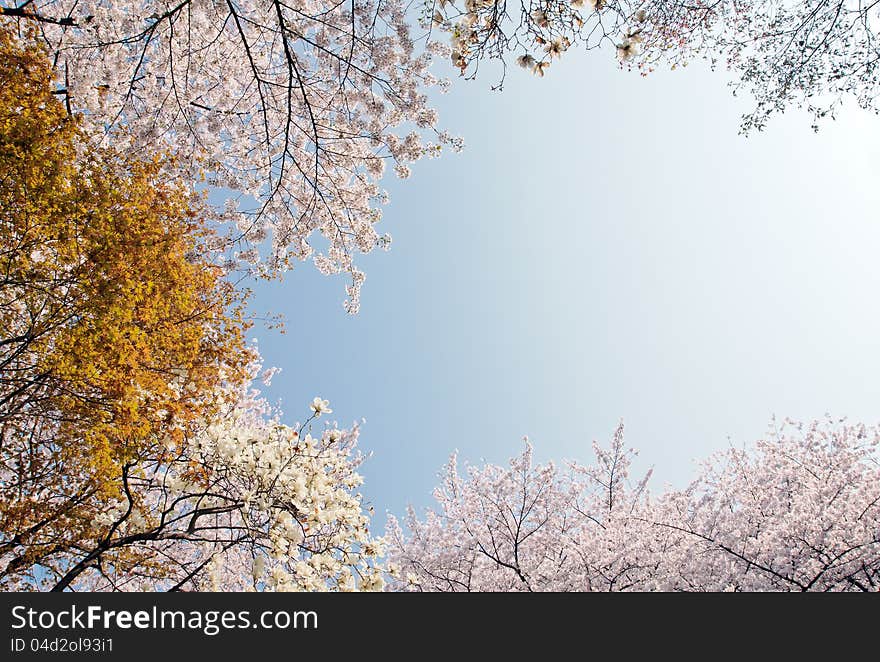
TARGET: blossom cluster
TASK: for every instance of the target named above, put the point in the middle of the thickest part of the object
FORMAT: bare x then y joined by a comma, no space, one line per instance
809,54
538,32
285,500
800,511
293,111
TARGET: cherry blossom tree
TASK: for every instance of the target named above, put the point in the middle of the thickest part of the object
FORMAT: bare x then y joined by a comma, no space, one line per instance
800,511
811,54
526,527
294,107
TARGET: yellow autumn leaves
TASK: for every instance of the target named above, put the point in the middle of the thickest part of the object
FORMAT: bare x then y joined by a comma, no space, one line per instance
116,330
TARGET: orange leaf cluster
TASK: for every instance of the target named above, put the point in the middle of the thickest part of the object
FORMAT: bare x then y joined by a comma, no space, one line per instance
117,331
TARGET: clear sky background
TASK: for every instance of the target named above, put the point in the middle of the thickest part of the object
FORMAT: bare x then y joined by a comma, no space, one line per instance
607,246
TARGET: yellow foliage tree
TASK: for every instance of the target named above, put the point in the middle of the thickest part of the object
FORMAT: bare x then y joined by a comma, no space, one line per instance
117,330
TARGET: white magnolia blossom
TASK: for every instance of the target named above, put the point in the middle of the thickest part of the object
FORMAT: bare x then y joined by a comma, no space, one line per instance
291,108
320,406
245,503
799,512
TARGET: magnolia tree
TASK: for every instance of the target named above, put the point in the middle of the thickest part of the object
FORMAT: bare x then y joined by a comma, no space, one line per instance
294,107
242,503
811,53
800,511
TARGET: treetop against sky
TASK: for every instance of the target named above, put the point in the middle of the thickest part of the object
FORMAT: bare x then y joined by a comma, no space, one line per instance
136,450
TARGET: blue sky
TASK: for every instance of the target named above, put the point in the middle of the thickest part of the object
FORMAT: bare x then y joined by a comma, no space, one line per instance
607,246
